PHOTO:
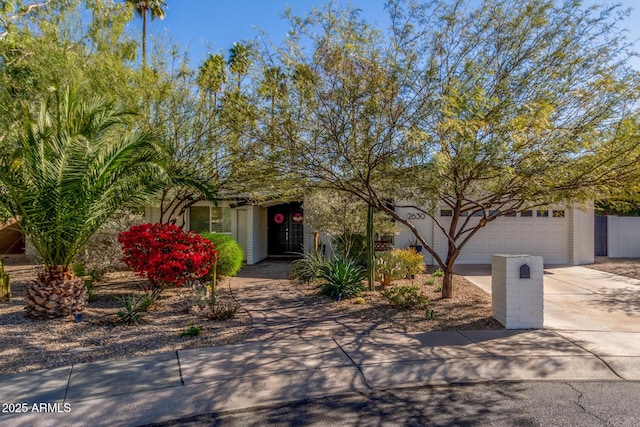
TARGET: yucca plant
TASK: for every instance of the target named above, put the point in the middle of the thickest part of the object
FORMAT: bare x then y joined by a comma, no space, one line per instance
66,172
307,268
342,279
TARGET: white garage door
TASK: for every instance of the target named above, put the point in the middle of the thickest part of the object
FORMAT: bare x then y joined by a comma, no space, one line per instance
539,235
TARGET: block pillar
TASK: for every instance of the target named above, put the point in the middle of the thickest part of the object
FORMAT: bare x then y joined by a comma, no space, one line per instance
517,302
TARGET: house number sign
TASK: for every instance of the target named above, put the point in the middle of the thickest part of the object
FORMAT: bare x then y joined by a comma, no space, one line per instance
416,215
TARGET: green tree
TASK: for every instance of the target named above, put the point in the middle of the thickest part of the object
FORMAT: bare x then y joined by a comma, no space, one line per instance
483,110
71,167
187,124
239,61
153,8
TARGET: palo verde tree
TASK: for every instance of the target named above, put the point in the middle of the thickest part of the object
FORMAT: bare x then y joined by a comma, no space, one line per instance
485,109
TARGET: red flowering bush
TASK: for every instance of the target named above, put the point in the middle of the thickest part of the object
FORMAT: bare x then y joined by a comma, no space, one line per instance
165,254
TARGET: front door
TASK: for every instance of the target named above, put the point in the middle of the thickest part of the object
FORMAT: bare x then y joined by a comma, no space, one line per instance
285,229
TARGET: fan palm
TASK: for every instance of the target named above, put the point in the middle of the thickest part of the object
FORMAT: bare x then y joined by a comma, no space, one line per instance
68,171
239,61
143,7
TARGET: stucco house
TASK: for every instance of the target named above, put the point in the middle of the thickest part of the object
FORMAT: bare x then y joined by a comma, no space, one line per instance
560,234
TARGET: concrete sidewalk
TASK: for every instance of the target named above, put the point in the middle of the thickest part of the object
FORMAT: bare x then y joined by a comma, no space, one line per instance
191,382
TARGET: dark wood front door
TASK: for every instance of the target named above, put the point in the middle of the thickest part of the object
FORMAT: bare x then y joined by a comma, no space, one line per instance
285,229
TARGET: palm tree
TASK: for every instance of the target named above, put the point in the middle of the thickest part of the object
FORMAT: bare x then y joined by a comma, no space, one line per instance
68,171
239,61
142,7
211,78
212,75
273,86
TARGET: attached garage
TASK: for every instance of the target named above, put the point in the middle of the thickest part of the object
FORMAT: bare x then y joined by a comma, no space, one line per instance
540,234
559,234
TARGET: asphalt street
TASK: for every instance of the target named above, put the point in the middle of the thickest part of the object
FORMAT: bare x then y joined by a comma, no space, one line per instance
534,403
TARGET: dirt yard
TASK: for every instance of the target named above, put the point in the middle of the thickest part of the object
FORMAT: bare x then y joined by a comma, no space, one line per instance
27,345
628,267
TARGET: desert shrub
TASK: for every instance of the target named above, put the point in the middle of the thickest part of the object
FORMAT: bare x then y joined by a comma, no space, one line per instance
342,278
437,273
165,254
405,297
307,268
229,253
387,267
130,310
221,311
397,264
412,261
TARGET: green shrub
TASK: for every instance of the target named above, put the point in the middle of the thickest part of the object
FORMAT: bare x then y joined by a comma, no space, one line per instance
437,273
352,246
229,253
79,269
91,290
307,268
405,297
430,281
342,279
192,331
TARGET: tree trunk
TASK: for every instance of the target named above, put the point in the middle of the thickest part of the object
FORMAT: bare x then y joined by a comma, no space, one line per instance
447,282
144,39
56,293
370,249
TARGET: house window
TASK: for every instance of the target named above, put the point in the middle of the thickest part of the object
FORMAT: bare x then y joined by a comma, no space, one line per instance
528,214
511,213
446,212
210,218
558,214
542,213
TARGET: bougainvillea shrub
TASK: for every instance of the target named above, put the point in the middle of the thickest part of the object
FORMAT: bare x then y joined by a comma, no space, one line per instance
165,254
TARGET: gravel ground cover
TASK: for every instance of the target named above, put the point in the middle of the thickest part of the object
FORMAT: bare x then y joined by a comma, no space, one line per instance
27,345
627,267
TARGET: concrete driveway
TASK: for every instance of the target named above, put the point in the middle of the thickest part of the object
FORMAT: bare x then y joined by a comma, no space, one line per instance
578,298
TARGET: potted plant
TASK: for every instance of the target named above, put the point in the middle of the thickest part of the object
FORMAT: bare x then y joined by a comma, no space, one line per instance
415,246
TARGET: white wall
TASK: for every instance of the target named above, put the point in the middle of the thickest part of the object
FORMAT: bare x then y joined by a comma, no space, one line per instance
257,234
581,235
424,225
623,236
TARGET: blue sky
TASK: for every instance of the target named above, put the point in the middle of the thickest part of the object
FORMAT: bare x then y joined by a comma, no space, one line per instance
214,25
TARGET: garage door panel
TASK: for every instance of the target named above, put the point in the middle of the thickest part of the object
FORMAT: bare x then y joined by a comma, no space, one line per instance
546,237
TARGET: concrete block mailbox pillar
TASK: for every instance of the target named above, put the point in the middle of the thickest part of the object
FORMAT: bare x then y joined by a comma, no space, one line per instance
518,301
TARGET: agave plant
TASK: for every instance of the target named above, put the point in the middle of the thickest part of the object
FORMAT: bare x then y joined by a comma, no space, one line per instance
342,279
65,174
